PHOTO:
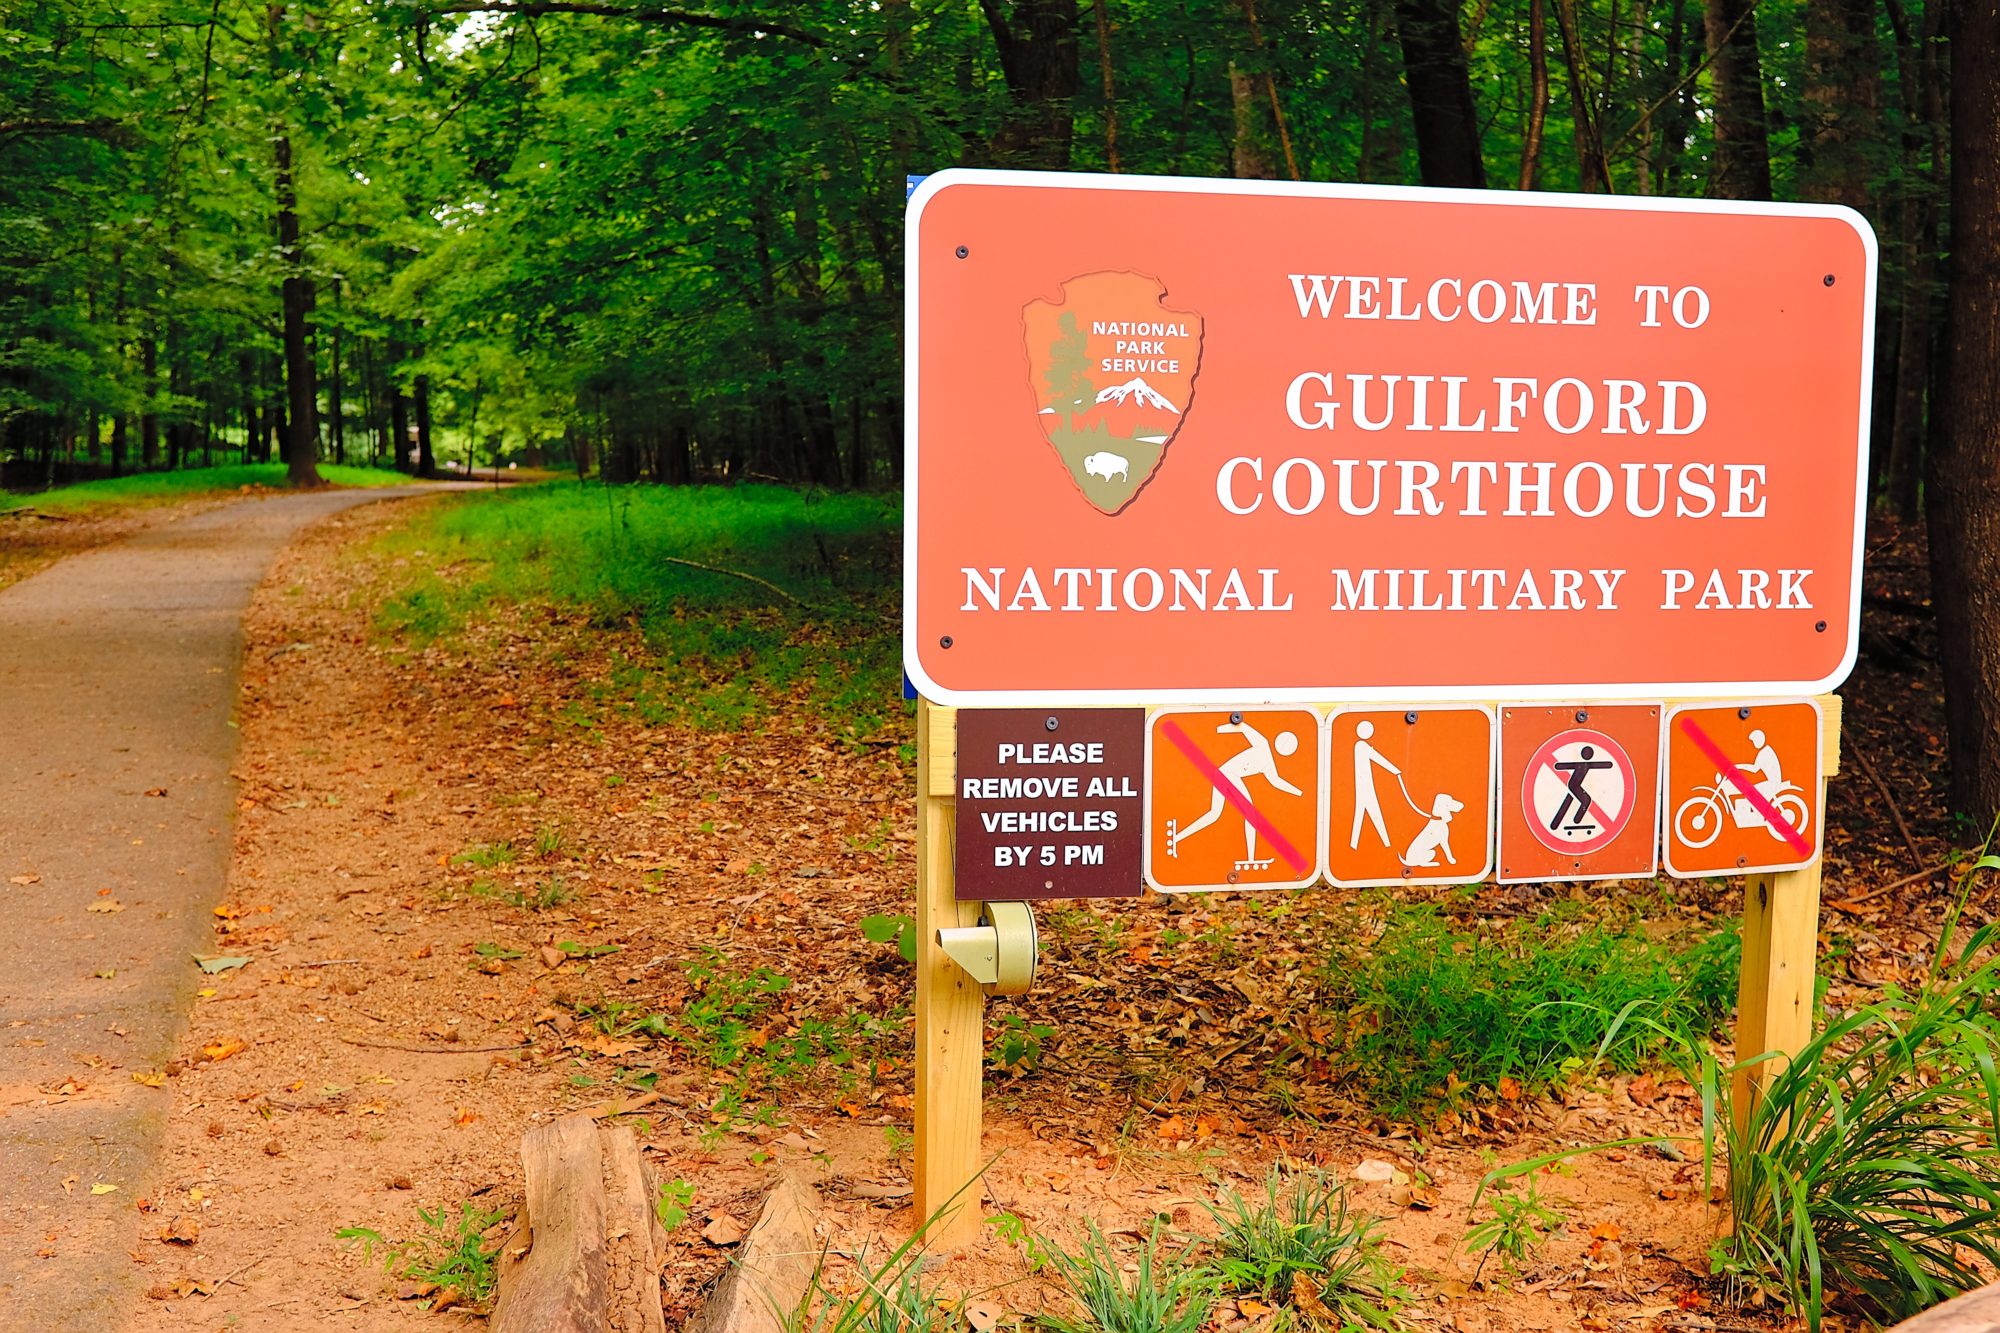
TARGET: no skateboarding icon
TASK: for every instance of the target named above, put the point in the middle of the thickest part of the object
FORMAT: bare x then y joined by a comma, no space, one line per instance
1578,792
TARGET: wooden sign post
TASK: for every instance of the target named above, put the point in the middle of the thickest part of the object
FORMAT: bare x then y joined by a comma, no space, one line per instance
1780,938
951,1008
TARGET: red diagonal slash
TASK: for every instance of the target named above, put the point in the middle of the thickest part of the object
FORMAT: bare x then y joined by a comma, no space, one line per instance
1233,794
1745,786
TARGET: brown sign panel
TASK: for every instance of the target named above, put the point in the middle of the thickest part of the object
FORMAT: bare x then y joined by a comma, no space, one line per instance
1049,803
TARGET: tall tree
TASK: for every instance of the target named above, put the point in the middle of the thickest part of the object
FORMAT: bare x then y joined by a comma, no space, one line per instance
1964,465
1440,84
1742,141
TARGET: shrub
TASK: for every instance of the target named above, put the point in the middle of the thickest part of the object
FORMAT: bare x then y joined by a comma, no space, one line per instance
1870,1166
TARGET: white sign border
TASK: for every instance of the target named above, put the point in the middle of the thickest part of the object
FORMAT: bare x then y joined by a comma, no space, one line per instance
1609,692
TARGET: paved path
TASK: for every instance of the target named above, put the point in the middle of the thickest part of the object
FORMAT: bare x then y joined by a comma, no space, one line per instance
118,674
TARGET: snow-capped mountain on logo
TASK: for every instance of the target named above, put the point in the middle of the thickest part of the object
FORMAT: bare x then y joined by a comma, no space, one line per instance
1142,394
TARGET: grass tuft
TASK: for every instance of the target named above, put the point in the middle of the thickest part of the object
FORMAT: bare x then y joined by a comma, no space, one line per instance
1870,1167
1168,1292
1299,1246
1435,1013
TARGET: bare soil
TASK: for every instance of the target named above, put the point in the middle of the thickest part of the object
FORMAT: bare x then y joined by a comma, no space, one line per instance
407,1011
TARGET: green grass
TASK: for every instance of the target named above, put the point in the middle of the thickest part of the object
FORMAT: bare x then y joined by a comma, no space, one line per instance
1869,1170
447,1253
164,487
1436,1012
1299,1245
804,617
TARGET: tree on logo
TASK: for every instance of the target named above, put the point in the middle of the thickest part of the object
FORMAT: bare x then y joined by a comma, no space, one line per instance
1070,389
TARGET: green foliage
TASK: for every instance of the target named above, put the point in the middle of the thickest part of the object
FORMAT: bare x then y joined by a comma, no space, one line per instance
1517,1228
1870,1167
449,1252
899,930
675,1198
789,600
1301,1226
486,855
1435,1012
1017,1043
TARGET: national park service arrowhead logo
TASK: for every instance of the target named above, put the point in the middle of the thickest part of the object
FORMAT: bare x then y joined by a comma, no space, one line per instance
1113,371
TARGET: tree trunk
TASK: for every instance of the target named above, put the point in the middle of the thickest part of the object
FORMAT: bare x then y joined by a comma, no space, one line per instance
301,442
1249,149
1843,102
1038,59
1742,150
1591,169
1538,92
149,420
1110,88
1923,106
1964,472
426,460
335,417
1440,83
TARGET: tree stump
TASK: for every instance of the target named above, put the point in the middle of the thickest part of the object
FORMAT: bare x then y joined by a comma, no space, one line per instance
586,1255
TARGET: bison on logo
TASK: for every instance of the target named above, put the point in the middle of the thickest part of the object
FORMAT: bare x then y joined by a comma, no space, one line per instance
1113,373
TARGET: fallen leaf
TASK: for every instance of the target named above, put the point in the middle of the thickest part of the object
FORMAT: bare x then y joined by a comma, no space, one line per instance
24,880
1605,1231
1250,1309
215,965
106,906
224,1048
102,1188
152,1078
722,1230
156,791
181,1231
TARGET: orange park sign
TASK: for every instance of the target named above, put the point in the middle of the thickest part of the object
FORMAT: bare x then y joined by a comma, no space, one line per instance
1178,441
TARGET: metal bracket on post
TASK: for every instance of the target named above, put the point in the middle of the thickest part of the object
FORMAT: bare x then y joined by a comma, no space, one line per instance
1000,953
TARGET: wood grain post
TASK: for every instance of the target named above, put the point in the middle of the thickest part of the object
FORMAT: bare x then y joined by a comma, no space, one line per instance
1774,997
950,1006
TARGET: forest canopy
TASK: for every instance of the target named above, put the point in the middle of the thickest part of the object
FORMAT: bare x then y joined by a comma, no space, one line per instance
668,241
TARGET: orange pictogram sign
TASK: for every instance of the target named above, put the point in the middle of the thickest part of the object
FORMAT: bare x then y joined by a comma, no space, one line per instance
1233,799
1742,788
1192,442
1409,796
1579,792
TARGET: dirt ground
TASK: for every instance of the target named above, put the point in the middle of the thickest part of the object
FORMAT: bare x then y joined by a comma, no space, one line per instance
415,998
